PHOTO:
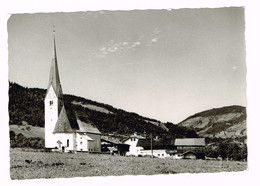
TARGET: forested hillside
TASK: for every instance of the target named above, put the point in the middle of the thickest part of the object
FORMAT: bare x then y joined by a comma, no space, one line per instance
27,105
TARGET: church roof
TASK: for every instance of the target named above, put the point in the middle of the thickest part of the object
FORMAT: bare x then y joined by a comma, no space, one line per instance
69,122
63,124
87,127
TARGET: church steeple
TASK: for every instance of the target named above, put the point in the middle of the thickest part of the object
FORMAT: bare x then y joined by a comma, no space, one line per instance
54,79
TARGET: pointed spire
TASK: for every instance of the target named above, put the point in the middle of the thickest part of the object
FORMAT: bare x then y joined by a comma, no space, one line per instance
54,54
54,78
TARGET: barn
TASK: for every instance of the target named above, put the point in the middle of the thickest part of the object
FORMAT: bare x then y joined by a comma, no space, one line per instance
113,146
190,147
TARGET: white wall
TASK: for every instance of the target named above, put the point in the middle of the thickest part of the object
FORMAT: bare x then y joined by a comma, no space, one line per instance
51,117
160,153
133,149
66,140
81,143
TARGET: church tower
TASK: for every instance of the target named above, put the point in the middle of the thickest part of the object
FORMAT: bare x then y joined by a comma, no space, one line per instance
63,129
53,101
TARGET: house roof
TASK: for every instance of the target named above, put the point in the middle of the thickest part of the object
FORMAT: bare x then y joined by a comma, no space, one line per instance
134,136
190,142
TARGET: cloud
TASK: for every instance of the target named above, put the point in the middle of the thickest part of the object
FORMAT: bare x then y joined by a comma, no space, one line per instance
154,40
112,46
122,46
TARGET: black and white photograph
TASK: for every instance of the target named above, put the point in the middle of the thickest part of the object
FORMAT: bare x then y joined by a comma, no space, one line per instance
138,92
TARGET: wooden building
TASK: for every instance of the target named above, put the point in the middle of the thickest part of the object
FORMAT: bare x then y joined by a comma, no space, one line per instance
194,146
113,146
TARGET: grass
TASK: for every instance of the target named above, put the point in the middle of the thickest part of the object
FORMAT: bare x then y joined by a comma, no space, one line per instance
35,165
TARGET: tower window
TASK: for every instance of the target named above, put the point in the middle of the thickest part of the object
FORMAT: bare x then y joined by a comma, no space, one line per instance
68,143
51,103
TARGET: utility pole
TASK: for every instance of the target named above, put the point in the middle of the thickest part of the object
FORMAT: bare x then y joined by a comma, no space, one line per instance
151,135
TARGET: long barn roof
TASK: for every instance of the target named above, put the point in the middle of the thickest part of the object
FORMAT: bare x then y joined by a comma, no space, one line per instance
190,142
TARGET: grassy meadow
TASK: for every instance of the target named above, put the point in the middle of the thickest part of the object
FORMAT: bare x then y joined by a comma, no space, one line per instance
35,165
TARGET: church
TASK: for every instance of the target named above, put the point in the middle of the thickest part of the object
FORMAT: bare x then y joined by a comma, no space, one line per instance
65,129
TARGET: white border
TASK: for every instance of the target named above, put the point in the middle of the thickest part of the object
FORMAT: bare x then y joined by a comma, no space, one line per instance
252,53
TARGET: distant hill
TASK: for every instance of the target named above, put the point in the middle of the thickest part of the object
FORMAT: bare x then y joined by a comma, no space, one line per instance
225,122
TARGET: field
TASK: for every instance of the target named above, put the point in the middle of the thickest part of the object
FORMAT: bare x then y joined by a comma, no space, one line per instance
35,165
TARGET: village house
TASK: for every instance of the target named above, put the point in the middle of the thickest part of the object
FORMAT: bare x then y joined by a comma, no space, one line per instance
65,129
134,150
190,148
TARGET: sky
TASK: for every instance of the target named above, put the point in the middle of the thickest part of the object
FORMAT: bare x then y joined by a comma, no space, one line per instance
165,64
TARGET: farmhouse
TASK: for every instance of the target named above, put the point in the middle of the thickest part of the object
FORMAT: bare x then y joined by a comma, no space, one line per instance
190,148
134,150
65,129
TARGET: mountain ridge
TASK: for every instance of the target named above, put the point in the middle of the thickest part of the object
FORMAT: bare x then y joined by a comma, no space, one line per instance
223,122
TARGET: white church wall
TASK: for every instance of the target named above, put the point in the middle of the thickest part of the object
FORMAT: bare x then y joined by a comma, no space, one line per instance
66,141
82,143
51,117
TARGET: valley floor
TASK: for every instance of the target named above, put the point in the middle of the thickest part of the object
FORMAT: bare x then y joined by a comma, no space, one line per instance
35,165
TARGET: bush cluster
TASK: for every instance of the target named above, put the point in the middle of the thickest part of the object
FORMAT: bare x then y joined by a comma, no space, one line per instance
227,149
21,141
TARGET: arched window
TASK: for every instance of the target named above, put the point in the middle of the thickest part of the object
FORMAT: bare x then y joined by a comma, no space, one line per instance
68,143
51,103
